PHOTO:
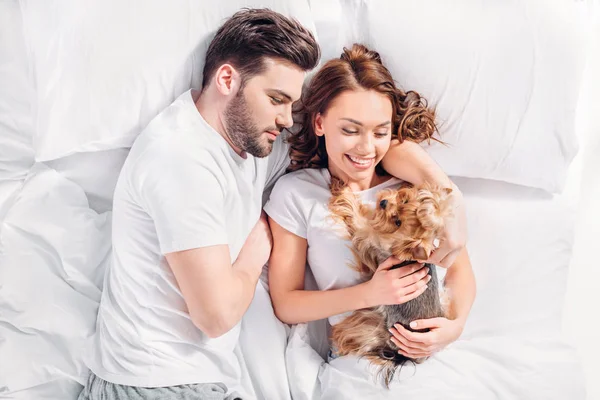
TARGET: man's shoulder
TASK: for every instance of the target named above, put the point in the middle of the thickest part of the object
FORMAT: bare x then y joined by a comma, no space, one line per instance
167,162
171,151
176,131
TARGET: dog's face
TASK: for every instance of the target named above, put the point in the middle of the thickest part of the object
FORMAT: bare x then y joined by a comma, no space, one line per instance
405,223
411,219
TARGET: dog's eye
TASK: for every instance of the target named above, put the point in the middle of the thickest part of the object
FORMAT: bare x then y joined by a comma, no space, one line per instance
383,204
398,223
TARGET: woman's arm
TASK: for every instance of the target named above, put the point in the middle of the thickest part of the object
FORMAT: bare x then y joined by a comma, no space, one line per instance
461,288
295,305
460,284
410,162
291,302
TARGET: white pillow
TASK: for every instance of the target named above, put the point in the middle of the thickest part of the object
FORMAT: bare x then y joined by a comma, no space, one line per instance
104,69
16,92
327,16
503,76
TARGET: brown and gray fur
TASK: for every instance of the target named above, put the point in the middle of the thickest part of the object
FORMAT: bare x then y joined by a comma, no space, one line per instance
404,223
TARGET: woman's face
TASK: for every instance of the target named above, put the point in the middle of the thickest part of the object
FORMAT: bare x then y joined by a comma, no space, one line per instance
357,129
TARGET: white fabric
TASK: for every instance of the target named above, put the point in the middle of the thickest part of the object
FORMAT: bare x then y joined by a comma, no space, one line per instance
299,204
585,189
53,253
54,248
182,187
8,192
520,246
98,87
263,336
16,104
504,78
510,348
327,16
96,172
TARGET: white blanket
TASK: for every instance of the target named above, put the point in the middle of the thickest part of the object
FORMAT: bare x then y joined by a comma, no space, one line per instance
520,246
54,252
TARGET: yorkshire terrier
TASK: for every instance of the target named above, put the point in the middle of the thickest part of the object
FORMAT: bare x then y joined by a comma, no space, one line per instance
404,223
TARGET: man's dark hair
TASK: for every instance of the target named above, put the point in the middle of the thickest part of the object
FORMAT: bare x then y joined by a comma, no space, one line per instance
251,35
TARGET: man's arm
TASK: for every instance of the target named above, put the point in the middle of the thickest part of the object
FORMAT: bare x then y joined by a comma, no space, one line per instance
182,191
217,292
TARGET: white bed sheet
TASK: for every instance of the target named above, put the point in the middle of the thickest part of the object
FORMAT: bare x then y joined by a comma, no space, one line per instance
512,348
95,172
54,251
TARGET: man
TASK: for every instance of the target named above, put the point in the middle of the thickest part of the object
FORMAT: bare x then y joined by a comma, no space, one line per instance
187,247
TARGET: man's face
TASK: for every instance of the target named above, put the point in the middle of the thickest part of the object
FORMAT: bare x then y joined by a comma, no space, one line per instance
258,113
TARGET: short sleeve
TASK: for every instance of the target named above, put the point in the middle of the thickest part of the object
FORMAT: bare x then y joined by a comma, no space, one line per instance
185,198
279,160
285,206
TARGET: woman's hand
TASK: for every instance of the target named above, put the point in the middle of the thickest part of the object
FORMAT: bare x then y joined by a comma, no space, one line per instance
396,286
454,236
408,161
442,332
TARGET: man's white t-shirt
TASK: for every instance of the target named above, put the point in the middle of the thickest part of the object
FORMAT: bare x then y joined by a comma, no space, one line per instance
181,187
299,203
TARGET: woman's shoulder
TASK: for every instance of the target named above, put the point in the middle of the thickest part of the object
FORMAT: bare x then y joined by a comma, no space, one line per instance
304,179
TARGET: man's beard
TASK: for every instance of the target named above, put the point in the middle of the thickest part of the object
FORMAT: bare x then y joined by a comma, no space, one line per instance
243,132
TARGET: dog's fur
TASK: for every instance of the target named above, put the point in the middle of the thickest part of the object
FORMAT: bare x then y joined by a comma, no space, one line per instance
404,223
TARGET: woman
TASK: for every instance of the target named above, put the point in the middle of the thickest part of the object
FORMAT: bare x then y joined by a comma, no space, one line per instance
352,114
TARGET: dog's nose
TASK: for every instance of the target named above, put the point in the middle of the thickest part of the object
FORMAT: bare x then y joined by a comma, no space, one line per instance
383,204
387,354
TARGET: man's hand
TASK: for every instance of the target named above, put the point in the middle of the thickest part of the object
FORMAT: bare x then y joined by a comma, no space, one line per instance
217,293
257,248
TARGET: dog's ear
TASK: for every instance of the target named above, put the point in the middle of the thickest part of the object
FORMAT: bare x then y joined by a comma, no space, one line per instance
403,195
420,254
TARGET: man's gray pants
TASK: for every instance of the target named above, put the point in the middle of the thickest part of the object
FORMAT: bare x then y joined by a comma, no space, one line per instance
98,389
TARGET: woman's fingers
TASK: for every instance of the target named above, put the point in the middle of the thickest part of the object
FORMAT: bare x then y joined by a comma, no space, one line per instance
412,292
408,352
408,270
388,263
410,284
404,343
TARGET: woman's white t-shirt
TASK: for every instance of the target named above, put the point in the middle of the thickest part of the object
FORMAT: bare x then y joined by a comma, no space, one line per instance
299,204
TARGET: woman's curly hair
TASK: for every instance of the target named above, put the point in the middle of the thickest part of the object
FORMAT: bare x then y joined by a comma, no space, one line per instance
357,68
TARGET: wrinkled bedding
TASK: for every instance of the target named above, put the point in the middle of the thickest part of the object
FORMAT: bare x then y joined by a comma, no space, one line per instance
55,249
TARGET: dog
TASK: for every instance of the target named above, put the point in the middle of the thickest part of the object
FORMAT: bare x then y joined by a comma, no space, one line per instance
404,223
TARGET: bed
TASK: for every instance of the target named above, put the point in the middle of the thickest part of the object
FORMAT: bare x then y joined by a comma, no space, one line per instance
74,96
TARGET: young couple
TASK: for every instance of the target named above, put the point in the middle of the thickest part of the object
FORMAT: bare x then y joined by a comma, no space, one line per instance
189,235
